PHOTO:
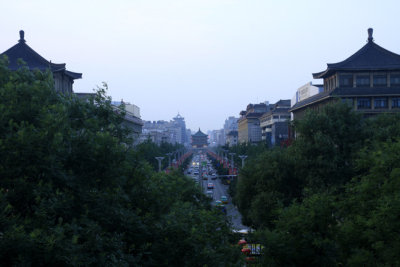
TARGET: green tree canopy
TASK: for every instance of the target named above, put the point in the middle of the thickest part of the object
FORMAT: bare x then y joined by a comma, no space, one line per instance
73,192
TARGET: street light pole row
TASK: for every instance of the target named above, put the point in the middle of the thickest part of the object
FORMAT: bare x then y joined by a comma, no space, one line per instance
178,155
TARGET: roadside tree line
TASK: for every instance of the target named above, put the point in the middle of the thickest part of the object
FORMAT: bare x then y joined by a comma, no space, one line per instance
75,192
332,197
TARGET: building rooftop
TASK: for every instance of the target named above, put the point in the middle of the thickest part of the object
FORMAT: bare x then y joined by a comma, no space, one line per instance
33,60
370,57
233,133
199,133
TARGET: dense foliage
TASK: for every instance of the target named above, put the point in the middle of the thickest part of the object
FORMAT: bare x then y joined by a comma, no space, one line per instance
332,197
73,191
149,150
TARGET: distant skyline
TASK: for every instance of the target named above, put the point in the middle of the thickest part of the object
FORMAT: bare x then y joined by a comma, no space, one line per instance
206,59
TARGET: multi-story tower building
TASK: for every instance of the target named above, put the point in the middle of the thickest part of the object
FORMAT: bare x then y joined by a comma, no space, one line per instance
275,123
232,138
231,124
199,140
63,79
181,127
369,81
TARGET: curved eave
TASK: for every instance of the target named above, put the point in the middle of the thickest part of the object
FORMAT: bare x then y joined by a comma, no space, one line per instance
321,74
310,103
35,61
371,57
73,75
311,100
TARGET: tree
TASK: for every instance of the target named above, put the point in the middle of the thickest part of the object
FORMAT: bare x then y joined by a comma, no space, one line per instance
74,192
327,143
265,184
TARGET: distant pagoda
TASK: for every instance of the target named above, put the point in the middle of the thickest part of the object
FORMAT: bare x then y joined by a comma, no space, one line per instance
199,140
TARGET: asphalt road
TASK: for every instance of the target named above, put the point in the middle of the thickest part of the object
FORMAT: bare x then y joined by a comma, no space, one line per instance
218,191
232,212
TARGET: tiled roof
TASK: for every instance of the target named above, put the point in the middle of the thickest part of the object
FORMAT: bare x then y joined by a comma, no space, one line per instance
370,57
233,133
310,100
33,60
199,133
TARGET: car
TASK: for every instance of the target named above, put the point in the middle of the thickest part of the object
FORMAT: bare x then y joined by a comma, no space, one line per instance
224,199
220,206
210,186
214,177
195,173
209,193
218,203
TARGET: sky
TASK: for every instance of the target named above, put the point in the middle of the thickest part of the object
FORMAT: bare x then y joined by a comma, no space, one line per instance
206,59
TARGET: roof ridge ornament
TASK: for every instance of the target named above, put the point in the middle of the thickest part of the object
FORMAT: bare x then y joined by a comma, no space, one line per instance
21,36
370,32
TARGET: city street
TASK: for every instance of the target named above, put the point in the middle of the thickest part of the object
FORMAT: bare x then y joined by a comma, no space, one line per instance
201,165
222,190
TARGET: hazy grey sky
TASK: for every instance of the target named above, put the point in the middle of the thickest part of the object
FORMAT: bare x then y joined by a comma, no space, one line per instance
206,59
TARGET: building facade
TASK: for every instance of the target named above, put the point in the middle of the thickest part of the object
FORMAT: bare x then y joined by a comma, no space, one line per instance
63,79
306,91
231,124
158,132
181,127
173,131
275,123
249,130
232,138
369,81
132,118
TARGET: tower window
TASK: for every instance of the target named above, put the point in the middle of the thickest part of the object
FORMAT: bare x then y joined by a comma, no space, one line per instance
346,80
380,80
362,80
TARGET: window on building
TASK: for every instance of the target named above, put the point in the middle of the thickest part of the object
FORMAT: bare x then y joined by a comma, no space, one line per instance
395,79
276,117
362,80
346,80
380,80
380,102
396,102
363,103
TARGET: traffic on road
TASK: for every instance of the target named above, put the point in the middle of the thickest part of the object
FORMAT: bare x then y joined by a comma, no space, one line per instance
203,173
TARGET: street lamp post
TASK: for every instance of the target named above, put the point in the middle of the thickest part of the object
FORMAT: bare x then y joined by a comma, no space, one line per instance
243,157
169,159
159,163
225,155
232,165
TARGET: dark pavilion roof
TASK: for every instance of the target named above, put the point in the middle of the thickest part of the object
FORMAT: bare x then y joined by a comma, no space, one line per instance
310,100
199,133
370,57
33,60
